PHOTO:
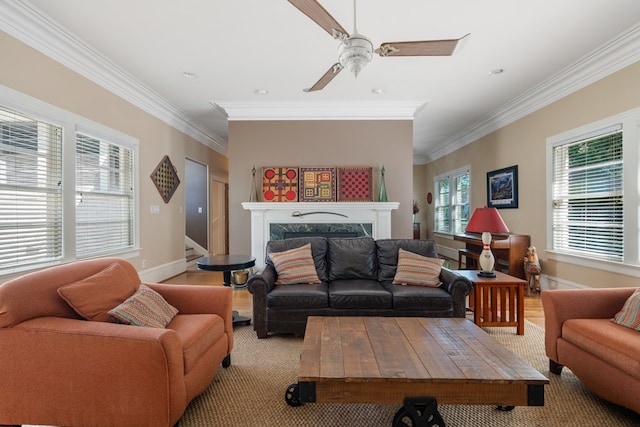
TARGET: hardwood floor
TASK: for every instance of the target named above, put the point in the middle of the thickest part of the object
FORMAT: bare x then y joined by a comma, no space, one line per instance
242,298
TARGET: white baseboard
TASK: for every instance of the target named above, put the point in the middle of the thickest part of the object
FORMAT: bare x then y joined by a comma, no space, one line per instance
163,272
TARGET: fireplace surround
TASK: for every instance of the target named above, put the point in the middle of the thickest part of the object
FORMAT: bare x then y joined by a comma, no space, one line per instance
275,221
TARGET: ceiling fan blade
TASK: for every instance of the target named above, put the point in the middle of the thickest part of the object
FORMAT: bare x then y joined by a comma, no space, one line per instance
320,16
326,78
422,48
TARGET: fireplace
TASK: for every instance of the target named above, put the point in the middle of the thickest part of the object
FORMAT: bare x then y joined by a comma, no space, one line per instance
275,221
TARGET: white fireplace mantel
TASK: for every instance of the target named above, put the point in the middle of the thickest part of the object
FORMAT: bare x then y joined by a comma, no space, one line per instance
263,214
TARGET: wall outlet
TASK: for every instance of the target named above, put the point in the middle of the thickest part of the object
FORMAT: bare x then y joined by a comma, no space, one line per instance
155,209
144,263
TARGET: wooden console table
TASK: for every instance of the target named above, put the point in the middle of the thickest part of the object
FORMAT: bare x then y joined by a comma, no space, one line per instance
496,301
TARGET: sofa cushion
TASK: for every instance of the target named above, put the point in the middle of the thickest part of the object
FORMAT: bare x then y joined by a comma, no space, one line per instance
420,298
145,307
94,296
197,333
295,266
414,269
318,251
617,345
359,294
299,296
629,315
387,250
352,258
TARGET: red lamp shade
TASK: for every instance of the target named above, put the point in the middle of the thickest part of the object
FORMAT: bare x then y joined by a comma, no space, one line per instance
486,219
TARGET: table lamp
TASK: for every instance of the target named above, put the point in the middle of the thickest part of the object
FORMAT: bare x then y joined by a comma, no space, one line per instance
486,221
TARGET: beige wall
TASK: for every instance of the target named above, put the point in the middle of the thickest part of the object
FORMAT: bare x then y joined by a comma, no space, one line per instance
319,143
523,143
161,235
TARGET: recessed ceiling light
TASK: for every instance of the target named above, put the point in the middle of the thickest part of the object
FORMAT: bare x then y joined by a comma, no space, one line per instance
496,71
190,74
261,91
377,91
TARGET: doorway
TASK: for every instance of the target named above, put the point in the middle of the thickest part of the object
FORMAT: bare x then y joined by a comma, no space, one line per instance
218,234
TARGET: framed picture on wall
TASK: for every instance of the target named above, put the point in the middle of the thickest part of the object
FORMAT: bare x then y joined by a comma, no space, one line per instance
502,188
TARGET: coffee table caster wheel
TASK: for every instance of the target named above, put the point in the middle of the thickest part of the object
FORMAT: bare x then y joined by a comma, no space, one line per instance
505,408
292,396
418,413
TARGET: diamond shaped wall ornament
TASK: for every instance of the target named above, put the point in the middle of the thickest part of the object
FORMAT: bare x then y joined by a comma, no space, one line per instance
165,178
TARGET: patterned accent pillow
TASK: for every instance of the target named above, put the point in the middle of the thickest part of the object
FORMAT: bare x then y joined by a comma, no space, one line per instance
414,269
629,316
144,308
295,266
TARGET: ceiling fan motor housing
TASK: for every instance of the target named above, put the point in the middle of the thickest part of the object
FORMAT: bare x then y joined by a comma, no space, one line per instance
355,53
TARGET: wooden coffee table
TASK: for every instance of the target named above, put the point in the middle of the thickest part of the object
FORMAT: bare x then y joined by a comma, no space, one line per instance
416,362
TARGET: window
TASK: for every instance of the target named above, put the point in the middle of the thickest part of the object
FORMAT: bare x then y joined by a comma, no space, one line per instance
587,196
452,201
30,190
104,196
48,156
593,193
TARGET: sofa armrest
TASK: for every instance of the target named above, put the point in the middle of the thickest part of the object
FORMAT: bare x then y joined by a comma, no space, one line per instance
561,305
84,369
260,284
459,287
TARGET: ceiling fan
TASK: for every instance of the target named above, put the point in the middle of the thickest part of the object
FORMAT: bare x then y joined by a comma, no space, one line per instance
355,50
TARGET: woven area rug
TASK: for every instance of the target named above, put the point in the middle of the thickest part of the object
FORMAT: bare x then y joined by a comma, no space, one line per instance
251,393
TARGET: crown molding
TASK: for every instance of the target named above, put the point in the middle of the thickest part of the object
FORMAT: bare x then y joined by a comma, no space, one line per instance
28,24
607,59
404,110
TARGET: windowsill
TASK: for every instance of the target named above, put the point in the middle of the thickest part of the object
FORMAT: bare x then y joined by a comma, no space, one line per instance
613,267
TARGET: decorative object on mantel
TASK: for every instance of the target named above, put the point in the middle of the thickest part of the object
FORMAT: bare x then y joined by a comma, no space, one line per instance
502,188
317,184
165,178
301,214
253,195
486,221
355,184
383,188
280,184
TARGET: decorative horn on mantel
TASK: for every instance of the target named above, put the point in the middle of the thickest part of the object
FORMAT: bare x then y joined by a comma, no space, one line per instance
301,214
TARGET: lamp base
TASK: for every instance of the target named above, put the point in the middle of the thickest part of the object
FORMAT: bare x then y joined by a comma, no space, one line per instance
483,273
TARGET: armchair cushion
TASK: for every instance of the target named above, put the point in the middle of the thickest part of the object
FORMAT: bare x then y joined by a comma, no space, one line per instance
414,269
94,296
295,266
145,307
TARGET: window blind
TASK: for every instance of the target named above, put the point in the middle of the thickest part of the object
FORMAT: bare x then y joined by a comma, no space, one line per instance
588,196
104,197
30,191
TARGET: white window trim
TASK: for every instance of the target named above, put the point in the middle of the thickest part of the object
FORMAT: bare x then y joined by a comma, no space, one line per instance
71,123
630,121
448,175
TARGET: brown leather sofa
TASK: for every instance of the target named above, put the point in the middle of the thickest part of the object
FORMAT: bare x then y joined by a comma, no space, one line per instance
580,335
58,369
356,280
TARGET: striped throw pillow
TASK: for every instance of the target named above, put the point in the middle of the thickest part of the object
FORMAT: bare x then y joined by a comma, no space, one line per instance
144,308
414,269
629,316
295,266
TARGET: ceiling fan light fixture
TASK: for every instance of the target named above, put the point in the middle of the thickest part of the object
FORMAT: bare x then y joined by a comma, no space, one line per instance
355,53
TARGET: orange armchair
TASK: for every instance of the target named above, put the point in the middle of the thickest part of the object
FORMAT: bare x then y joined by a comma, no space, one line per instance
59,369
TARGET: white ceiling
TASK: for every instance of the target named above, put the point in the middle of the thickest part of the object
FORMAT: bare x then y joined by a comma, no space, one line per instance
547,49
